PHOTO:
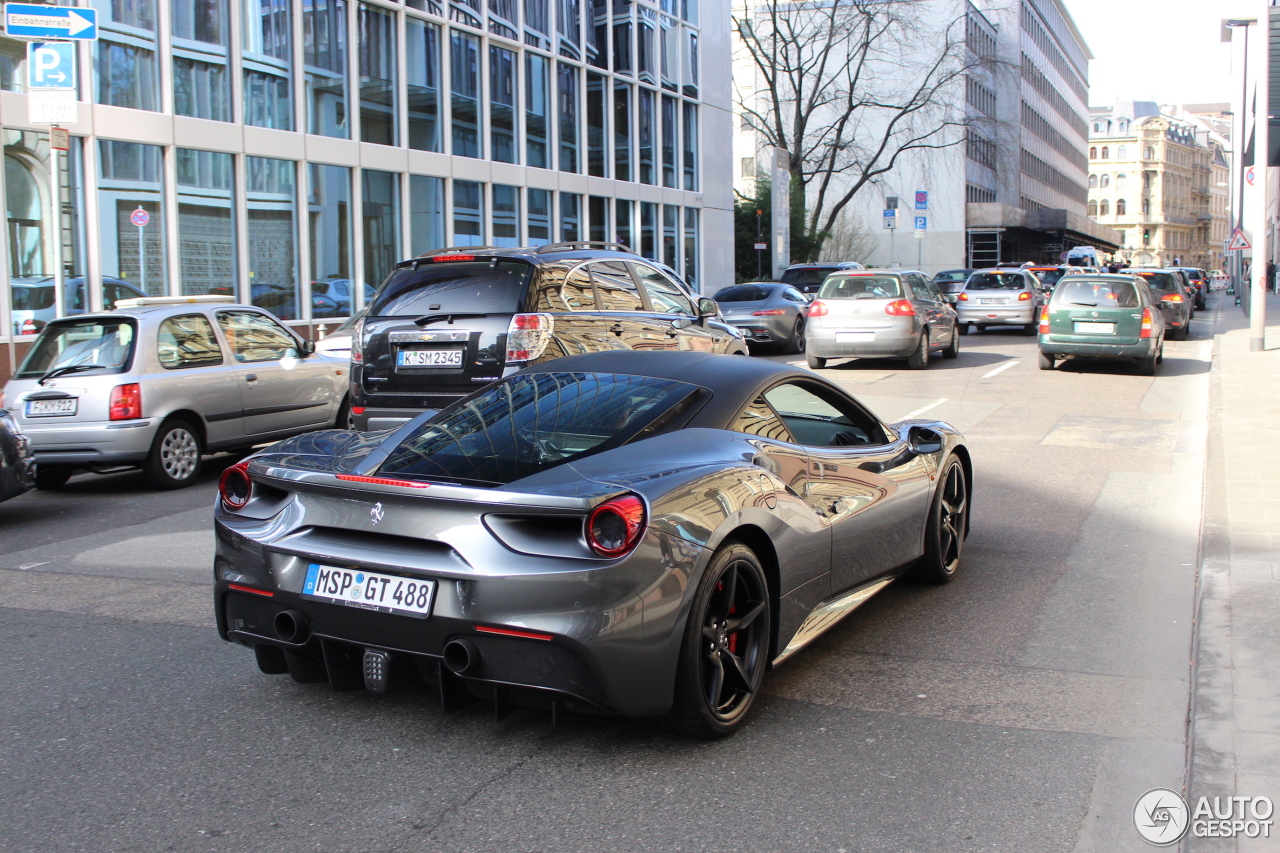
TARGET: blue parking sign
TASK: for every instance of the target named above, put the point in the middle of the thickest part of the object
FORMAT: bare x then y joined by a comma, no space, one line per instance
51,65
922,223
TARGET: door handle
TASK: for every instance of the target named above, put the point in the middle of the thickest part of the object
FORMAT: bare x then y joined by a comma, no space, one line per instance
252,377
616,328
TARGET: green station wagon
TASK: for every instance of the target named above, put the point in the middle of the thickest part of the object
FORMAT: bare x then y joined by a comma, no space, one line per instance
1103,316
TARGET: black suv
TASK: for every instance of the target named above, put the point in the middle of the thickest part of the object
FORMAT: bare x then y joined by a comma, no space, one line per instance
447,322
808,278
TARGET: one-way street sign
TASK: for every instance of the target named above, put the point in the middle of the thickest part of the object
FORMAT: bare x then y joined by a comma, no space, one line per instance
26,20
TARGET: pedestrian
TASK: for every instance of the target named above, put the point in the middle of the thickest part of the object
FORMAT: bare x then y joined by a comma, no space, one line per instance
1271,275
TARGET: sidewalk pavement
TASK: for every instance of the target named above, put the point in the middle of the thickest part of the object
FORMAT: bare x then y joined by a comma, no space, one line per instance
1234,746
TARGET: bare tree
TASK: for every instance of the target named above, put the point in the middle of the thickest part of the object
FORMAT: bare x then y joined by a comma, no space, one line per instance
848,88
848,239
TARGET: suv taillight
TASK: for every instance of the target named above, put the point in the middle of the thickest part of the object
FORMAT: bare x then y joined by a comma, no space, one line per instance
235,487
817,309
126,402
614,528
528,336
357,342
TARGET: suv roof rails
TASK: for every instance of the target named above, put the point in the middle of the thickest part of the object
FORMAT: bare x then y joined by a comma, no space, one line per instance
455,249
575,244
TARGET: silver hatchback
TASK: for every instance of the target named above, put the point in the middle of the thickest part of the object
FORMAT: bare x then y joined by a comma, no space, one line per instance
880,313
158,382
1000,297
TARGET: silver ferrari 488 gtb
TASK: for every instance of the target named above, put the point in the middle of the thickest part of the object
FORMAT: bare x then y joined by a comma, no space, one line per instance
630,532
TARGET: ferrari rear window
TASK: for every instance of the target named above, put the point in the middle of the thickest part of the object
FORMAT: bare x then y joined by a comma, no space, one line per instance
532,422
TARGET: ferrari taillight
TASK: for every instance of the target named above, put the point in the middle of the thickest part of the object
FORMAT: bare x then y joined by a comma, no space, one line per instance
817,309
614,528
1146,323
235,487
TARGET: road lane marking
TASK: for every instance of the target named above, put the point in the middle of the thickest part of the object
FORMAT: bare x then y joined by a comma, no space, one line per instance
922,410
999,369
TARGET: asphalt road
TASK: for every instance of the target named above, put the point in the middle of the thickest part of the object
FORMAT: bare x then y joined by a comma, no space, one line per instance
1023,707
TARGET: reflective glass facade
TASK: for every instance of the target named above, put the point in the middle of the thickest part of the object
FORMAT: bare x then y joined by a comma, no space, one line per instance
287,153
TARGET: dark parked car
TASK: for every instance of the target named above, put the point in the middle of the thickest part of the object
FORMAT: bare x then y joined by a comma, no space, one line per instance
635,533
17,462
1103,316
1170,289
1198,279
951,281
447,322
767,313
808,278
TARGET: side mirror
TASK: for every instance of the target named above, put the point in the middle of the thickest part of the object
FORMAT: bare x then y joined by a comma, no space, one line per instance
923,440
307,348
707,308
950,298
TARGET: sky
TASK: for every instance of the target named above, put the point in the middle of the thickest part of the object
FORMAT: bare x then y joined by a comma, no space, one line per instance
1166,51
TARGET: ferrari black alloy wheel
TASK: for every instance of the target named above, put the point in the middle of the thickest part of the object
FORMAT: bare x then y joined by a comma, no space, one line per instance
726,646
947,526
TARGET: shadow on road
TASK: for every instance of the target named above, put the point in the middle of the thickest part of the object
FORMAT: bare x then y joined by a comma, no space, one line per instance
1169,367
966,359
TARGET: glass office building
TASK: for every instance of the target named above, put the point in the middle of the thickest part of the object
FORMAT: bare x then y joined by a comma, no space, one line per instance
287,153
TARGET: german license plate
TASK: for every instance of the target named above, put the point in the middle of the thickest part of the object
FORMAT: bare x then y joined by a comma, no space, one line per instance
855,337
50,408
429,358
1095,328
369,590
991,301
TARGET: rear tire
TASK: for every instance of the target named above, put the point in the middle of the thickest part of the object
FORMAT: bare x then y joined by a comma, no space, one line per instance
725,650
1031,328
947,527
174,460
796,344
1047,361
1147,366
343,420
970,329
815,362
52,476
919,359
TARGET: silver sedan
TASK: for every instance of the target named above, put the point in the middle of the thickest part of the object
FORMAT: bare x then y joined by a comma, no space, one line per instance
767,312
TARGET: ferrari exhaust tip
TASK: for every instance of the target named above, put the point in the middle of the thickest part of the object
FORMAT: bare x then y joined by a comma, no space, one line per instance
461,656
291,626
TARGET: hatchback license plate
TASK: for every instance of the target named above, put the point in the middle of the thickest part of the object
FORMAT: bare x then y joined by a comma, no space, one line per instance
855,337
992,301
370,590
429,358
1095,328
51,408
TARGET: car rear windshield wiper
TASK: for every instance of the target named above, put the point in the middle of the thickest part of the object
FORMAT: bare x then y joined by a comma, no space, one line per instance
428,319
1090,304
65,369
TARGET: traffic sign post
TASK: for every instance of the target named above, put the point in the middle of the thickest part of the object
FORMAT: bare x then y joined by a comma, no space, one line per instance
922,223
140,218
922,200
30,21
51,65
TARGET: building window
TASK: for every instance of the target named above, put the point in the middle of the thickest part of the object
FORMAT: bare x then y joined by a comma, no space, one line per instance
1093,208
1146,207
1106,153
537,114
649,230
426,214
598,219
206,223
647,134
1146,180
1104,209
127,76
570,217
622,131
690,148
567,105
1122,152
1093,182
1122,181
331,226
1148,152
324,52
622,228
502,105
597,132
468,213
131,177
691,247
464,65
266,52
201,85
506,215
380,211
1104,181
670,235
422,73
670,132
538,203
378,72
1093,153
1121,207
272,203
